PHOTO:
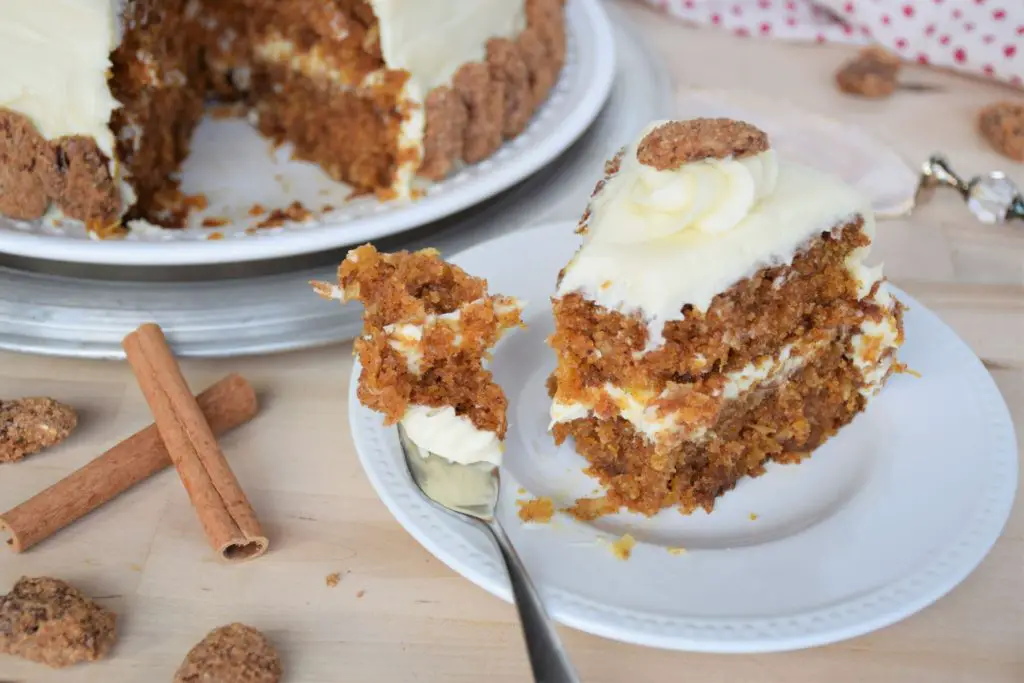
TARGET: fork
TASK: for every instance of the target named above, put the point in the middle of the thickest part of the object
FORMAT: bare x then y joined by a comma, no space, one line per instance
471,493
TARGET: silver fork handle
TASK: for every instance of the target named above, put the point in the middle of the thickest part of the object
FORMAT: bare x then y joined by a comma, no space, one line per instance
548,659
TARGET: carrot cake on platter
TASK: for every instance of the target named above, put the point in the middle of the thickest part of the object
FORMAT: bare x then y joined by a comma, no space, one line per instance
717,316
99,98
428,328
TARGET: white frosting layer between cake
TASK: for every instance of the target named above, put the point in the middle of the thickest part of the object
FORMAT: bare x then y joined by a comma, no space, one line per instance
871,351
56,56
640,408
453,437
873,347
657,240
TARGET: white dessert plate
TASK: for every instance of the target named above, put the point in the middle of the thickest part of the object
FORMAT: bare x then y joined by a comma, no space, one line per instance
235,168
882,521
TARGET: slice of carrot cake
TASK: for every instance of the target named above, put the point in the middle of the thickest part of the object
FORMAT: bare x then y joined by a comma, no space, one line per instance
717,316
428,327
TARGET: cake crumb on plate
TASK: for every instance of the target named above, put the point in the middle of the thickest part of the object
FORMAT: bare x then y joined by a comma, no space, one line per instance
589,509
537,510
623,548
333,579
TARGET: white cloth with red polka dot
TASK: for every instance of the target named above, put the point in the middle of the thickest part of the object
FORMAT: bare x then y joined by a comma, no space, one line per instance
982,37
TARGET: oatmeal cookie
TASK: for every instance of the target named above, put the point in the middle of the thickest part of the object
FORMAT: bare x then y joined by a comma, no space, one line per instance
235,653
27,168
872,73
485,107
676,143
29,425
1002,124
48,621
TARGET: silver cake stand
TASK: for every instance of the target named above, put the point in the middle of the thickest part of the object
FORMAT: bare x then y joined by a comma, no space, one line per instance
84,311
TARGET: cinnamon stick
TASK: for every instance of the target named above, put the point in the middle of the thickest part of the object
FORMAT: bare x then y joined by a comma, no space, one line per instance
227,404
224,511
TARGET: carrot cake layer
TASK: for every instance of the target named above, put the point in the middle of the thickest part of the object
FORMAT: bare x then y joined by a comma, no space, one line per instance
713,280
99,104
427,329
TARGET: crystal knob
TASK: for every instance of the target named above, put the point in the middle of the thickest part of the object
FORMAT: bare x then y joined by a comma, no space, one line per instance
992,198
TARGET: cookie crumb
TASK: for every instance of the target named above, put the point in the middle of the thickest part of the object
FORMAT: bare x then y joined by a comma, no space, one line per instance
48,621
753,516
623,548
235,652
28,425
872,73
294,212
1002,125
215,222
675,143
676,551
333,579
537,510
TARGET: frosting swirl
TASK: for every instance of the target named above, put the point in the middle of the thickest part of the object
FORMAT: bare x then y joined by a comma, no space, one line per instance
641,204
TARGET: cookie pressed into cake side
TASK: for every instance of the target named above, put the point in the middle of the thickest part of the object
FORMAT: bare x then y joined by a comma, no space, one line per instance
100,98
717,316
428,328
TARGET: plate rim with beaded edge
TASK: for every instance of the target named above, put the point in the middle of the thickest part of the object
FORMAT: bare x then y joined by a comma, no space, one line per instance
574,103
855,538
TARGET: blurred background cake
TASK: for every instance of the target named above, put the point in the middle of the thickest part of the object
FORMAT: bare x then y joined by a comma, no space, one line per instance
99,98
717,316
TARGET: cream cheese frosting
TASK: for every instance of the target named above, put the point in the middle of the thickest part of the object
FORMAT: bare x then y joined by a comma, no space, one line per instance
874,345
454,437
432,39
58,83
657,240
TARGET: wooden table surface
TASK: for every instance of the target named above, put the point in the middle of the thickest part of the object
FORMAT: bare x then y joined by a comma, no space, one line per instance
400,615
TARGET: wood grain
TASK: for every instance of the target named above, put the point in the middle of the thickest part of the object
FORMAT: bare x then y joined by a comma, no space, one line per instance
417,620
